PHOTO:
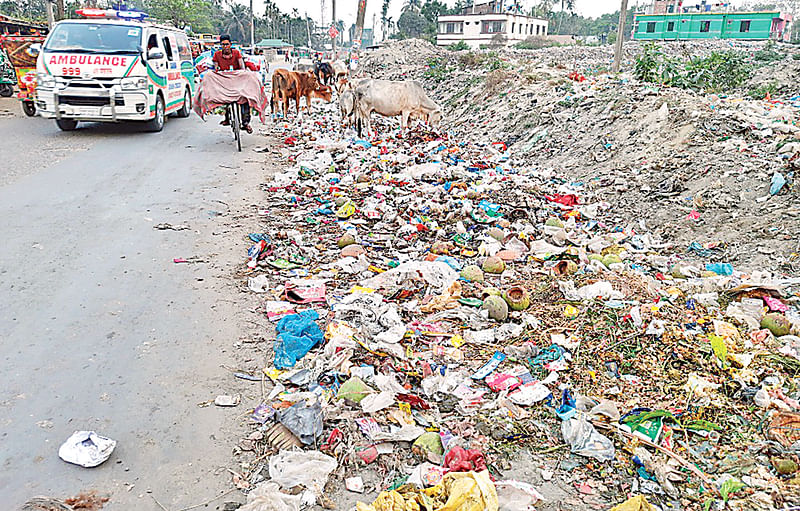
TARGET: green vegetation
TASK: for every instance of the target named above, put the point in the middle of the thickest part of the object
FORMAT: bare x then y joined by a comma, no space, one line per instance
459,46
761,91
535,43
720,70
768,53
437,70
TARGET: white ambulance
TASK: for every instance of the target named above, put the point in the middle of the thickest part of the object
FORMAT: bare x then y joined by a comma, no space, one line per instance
112,67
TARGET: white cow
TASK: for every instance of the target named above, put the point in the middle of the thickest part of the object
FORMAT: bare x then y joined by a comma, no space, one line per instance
391,99
347,100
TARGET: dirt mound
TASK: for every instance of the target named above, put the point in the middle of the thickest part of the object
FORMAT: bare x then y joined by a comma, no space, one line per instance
694,167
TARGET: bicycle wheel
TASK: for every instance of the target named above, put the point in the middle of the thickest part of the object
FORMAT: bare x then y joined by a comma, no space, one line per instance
236,124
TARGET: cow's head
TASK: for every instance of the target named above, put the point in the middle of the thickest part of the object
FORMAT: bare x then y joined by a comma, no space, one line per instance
342,85
435,118
311,79
323,92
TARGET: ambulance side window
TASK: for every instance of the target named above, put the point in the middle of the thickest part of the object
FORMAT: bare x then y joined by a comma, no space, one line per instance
152,42
168,49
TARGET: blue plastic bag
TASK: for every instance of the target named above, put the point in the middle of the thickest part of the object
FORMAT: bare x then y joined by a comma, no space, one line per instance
720,268
778,182
297,334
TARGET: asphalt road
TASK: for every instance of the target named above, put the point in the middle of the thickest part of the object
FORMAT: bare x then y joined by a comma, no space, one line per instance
99,328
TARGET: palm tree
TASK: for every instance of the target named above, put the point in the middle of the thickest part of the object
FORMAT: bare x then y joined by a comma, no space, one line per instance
384,18
235,21
413,5
570,4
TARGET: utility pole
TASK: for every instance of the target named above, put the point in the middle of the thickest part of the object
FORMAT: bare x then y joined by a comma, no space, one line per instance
308,31
333,23
50,19
362,10
252,28
623,11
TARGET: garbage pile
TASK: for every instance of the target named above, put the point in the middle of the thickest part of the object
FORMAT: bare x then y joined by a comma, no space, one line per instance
447,309
714,169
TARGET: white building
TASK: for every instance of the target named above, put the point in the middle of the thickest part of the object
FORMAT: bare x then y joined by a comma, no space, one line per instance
480,24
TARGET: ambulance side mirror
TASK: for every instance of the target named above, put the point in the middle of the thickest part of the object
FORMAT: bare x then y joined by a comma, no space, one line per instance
35,49
155,54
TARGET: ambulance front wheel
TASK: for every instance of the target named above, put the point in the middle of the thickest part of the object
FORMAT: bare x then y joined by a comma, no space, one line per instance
186,109
157,122
67,124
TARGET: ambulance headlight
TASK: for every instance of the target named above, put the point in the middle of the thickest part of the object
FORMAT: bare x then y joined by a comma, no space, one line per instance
133,83
46,80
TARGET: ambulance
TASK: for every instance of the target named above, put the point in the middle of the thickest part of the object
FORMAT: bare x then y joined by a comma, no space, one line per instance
112,66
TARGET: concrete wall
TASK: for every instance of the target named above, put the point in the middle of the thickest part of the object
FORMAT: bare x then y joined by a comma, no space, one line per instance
470,28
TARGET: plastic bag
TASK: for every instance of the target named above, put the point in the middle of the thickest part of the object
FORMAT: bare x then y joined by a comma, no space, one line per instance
637,503
304,421
297,334
458,491
268,497
585,440
517,496
308,468
459,459
86,448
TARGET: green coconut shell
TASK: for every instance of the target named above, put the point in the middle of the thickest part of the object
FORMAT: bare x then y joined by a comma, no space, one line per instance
776,323
517,298
346,239
472,273
494,264
497,307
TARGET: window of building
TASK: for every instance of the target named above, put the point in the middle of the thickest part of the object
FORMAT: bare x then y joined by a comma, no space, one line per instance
651,27
493,27
671,26
452,27
705,26
744,26
513,26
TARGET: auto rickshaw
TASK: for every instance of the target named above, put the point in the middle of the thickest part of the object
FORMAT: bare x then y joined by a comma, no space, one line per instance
7,76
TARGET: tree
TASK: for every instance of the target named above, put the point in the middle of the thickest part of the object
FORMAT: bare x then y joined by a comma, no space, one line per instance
411,23
236,22
384,17
195,13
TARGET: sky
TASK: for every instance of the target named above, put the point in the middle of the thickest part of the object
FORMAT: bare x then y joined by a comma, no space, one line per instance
346,9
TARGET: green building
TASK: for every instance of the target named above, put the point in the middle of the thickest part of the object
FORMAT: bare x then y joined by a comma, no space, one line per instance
712,25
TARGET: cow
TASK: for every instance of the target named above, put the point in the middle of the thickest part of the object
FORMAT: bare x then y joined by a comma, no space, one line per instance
324,73
288,85
394,98
339,70
347,106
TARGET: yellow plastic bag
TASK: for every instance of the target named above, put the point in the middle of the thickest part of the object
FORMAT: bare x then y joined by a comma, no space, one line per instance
637,503
458,491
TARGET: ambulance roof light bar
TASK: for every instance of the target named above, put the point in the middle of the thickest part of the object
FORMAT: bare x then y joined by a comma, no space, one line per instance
111,14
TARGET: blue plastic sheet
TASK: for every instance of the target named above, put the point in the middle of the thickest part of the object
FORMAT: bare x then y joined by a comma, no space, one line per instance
297,334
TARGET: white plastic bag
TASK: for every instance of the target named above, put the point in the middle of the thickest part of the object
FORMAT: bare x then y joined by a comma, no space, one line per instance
308,468
86,448
585,440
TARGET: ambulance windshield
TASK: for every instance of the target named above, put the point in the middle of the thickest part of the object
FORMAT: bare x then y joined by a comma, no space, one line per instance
94,38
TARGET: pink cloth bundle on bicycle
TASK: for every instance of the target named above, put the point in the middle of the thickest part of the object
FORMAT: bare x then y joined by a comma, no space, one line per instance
220,89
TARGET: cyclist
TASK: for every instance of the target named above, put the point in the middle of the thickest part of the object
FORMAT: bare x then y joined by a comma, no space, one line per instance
226,59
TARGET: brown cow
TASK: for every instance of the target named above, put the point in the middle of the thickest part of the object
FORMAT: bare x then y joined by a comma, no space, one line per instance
288,85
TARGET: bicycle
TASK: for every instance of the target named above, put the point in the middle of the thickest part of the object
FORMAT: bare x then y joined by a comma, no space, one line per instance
236,123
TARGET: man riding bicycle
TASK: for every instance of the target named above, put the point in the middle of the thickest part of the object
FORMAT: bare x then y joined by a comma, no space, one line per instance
227,59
